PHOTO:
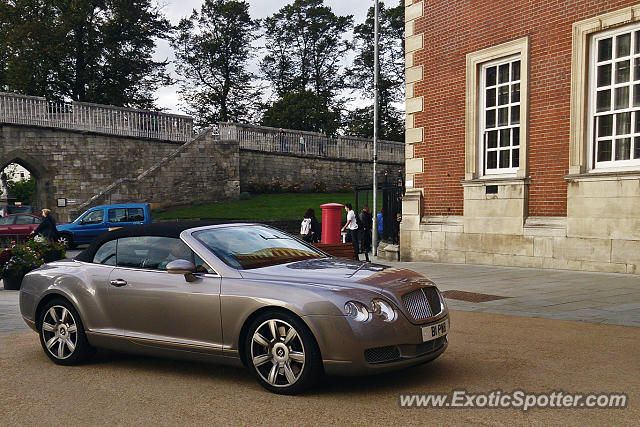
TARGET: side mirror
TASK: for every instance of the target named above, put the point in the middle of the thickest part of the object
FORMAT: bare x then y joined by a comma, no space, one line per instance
182,266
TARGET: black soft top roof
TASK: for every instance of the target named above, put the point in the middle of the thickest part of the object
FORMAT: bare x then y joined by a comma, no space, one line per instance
162,229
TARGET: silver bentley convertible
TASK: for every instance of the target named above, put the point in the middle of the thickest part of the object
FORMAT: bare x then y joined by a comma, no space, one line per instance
243,294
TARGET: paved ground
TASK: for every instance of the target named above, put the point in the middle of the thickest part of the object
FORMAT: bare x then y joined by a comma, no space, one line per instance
486,352
555,294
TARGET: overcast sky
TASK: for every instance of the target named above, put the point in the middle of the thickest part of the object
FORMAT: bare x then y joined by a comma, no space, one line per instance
177,9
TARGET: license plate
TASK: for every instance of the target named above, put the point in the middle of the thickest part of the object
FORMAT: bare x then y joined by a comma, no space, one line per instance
435,331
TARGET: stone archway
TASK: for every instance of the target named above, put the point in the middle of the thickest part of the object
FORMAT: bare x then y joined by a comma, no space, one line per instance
43,175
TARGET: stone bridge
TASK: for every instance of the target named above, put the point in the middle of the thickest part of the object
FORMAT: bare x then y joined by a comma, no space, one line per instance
85,154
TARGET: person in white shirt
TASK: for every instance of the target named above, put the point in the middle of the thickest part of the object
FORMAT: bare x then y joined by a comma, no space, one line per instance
352,228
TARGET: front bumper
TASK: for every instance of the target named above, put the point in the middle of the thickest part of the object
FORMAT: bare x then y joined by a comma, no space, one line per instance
375,346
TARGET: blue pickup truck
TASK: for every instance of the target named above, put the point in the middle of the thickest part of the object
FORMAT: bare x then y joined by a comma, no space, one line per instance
99,219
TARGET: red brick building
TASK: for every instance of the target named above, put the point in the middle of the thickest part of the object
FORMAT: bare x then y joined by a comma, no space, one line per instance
523,133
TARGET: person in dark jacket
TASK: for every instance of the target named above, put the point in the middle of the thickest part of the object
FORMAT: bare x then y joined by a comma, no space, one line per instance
47,227
314,229
366,219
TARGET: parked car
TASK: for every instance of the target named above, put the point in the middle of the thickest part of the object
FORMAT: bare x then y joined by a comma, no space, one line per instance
11,209
245,294
18,226
99,219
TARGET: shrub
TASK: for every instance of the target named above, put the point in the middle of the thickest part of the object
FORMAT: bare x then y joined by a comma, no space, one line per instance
245,196
276,186
293,188
319,187
20,258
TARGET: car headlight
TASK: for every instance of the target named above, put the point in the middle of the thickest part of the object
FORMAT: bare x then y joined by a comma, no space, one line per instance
384,310
357,311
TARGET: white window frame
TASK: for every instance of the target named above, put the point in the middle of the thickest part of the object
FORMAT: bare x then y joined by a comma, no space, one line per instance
482,108
613,165
474,120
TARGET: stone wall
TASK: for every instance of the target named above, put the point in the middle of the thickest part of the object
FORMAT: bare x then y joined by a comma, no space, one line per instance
79,165
580,241
88,169
204,169
259,167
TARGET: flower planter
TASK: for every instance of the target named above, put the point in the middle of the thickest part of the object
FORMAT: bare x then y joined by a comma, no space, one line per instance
12,281
52,255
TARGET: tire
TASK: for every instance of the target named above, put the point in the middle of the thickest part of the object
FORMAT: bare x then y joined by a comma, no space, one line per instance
286,361
66,240
62,333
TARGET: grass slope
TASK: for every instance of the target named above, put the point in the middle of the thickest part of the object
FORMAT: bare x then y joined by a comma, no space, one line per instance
262,207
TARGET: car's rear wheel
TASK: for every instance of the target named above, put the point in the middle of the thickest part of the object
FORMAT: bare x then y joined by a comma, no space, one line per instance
282,353
66,240
62,333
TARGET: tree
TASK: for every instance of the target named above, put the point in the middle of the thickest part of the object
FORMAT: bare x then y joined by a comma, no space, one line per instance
212,50
305,44
391,77
84,50
303,111
23,190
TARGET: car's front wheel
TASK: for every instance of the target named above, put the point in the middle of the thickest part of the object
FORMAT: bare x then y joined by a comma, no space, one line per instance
62,333
282,353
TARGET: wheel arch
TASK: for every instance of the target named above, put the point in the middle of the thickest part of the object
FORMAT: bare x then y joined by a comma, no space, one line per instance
50,297
273,308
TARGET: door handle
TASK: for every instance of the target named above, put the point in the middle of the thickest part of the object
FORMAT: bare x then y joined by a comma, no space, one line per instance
118,283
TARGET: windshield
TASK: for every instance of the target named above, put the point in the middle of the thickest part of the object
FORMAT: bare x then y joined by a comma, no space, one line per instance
255,246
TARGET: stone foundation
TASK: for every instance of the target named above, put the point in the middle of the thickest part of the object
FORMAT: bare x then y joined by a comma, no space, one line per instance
545,242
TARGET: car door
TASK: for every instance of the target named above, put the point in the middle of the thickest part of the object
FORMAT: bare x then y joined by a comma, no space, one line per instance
23,226
154,307
5,225
89,226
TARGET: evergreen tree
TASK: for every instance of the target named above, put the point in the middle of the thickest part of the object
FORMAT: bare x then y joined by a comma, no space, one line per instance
84,50
303,111
305,44
212,50
391,77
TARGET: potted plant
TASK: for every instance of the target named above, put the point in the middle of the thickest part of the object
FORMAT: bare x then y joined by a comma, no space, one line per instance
48,251
20,258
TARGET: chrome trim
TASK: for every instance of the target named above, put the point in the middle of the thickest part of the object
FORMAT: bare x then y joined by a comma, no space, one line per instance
148,341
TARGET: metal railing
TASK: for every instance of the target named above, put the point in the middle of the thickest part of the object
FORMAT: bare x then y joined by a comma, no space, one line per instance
261,138
106,119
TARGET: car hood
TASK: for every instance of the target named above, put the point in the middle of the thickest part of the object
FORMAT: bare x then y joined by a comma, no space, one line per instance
336,272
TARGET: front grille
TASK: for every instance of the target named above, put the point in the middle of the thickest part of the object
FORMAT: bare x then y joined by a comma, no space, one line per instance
382,354
422,303
430,346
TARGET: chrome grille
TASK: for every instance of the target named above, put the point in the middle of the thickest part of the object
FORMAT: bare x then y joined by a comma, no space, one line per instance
422,303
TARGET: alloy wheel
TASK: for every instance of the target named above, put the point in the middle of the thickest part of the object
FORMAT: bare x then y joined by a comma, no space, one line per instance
64,241
59,332
277,353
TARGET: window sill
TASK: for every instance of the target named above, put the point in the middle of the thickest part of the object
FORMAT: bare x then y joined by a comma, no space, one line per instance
603,176
496,180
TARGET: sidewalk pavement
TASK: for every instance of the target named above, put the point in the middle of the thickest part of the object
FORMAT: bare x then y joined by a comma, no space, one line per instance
554,294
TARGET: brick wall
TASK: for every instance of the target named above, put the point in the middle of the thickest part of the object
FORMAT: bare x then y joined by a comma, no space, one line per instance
453,28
